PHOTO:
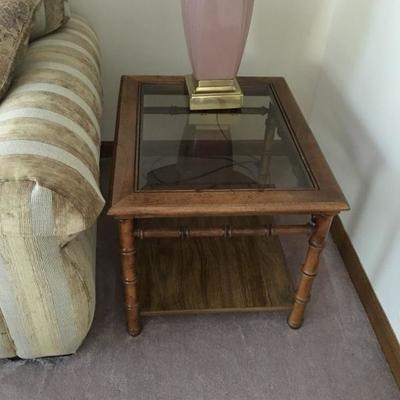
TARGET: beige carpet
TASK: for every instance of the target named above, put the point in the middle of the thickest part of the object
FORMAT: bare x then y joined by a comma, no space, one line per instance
334,356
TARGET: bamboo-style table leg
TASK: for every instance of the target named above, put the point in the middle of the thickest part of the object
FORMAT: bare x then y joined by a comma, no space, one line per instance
309,271
129,276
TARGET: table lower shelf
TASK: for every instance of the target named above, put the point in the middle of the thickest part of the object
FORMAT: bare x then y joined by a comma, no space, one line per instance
212,275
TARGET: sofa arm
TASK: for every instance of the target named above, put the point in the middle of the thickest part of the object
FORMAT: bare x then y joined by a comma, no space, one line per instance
50,137
47,294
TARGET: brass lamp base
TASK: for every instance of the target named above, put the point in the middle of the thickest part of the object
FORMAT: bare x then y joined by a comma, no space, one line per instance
214,94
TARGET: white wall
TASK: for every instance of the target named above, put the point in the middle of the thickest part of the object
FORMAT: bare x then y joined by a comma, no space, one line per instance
146,37
357,121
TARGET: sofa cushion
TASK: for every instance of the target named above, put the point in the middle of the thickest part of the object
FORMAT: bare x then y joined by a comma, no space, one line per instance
49,16
50,137
15,27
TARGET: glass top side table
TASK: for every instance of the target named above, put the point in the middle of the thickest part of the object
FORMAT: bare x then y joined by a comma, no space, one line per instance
172,165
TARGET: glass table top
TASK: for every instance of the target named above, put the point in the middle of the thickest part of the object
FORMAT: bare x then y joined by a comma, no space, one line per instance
251,148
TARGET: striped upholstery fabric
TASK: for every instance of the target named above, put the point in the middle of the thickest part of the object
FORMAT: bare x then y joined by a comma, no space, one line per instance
49,195
7,348
50,134
47,294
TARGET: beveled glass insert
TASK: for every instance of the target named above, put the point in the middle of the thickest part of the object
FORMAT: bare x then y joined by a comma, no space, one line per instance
250,148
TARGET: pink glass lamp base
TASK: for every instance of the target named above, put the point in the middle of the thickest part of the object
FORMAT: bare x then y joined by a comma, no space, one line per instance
216,34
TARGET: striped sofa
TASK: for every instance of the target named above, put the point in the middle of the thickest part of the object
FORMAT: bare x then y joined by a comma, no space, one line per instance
49,195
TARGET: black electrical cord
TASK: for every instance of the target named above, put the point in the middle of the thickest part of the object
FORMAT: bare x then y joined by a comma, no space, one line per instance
205,174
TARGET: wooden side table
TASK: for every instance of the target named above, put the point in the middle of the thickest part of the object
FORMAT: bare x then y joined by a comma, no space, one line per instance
194,175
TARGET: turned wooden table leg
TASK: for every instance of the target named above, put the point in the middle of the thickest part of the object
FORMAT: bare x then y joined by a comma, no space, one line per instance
129,277
309,271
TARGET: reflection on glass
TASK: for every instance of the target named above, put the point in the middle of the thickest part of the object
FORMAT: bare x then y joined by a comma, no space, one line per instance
251,148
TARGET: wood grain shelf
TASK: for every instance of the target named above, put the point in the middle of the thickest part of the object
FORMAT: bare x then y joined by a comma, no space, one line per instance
212,275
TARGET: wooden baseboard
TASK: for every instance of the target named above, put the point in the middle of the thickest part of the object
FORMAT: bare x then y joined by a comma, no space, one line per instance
106,149
376,314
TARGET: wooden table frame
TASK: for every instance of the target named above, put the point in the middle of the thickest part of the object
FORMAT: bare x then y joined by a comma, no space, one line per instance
322,203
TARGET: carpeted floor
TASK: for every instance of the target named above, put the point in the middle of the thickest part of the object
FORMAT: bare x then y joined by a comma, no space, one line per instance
236,357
